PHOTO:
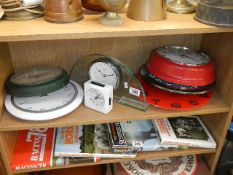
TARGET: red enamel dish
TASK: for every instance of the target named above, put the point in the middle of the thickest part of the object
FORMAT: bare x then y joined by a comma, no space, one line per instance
188,75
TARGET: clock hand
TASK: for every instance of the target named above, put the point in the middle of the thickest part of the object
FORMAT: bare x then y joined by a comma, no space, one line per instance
97,97
183,55
101,72
108,75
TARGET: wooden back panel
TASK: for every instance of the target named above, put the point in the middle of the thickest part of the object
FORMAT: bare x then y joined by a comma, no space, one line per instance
133,51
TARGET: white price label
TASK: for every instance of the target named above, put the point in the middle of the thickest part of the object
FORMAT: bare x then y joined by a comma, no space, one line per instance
134,91
32,2
137,144
126,85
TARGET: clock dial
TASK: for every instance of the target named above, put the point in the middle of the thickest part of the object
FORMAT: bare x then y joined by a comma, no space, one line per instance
183,55
53,105
36,75
95,98
104,73
172,101
50,102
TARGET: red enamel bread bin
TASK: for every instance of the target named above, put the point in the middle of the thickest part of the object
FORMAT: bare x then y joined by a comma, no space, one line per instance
163,68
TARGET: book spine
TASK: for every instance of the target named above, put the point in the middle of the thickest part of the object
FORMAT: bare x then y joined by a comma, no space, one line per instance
64,161
95,155
123,150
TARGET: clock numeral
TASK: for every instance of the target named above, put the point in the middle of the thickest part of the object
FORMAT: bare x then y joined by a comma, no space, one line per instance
155,100
175,105
204,95
193,102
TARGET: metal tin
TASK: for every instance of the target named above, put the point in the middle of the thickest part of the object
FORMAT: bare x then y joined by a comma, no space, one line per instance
171,87
214,12
147,10
188,73
169,165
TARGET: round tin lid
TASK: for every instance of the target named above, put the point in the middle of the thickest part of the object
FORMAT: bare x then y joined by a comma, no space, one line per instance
170,166
53,105
183,55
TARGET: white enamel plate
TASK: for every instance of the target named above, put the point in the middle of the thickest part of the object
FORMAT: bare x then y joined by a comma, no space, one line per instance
53,105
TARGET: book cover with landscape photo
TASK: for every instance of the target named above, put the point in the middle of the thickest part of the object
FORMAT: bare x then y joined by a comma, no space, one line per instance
86,141
188,131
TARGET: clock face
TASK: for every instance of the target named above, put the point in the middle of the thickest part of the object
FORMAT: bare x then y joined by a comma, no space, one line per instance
53,101
104,73
36,75
183,55
95,98
53,105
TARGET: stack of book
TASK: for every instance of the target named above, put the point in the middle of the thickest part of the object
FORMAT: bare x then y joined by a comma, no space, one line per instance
46,147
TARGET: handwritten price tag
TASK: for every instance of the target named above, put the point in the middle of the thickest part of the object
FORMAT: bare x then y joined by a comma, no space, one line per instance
134,91
137,144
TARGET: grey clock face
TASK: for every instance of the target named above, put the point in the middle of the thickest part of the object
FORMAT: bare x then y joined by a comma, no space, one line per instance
104,73
183,55
50,102
36,75
95,98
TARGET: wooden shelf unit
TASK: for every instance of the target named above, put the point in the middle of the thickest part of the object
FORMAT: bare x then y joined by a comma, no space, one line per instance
62,44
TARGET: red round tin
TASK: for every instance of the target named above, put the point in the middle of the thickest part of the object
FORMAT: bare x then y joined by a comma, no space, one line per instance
181,65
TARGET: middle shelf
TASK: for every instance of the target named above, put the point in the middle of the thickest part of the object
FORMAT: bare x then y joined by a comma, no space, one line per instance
85,116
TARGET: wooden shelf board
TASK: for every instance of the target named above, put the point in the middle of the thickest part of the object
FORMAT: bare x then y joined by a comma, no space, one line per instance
140,156
84,116
39,29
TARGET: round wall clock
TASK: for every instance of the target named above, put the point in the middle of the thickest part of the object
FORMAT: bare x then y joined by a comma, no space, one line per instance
106,72
168,100
36,81
53,105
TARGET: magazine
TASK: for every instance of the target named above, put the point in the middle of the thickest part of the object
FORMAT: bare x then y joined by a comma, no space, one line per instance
138,135
86,141
34,149
188,131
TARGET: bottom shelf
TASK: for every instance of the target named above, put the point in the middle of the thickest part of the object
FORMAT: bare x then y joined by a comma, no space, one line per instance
140,156
107,170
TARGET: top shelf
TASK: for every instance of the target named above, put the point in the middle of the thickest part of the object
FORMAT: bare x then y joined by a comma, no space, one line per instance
39,29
